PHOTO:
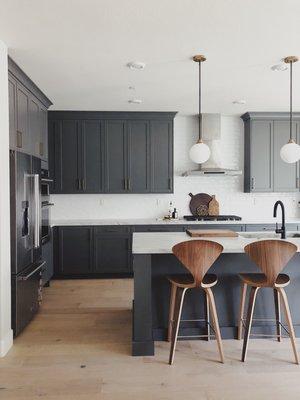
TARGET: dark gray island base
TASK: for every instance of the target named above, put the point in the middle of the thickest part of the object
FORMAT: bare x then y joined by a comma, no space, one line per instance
152,293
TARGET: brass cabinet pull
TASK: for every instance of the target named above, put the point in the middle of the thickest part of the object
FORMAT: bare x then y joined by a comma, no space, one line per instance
252,183
128,184
19,139
169,182
41,148
78,183
83,184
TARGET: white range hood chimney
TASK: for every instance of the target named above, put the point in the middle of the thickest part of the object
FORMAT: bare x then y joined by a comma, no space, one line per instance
212,136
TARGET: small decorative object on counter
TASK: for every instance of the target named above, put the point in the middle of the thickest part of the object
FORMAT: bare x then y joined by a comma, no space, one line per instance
170,210
213,207
175,214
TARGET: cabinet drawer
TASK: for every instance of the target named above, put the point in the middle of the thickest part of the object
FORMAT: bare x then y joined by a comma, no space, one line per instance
159,228
260,227
231,227
112,229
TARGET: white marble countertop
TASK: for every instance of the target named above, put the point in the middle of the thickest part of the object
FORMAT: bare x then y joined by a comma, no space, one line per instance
162,242
160,221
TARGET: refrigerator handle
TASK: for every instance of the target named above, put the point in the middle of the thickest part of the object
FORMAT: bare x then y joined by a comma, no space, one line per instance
37,211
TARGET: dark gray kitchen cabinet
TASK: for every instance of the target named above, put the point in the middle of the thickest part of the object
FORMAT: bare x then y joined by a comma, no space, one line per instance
112,251
76,156
65,167
116,152
23,142
92,156
12,91
138,157
161,156
28,108
34,126
285,175
43,128
75,250
264,170
115,157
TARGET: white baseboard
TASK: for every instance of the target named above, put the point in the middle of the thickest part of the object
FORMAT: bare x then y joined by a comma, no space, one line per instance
6,343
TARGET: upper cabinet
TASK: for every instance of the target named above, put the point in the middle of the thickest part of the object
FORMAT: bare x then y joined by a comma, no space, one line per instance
28,108
111,152
264,170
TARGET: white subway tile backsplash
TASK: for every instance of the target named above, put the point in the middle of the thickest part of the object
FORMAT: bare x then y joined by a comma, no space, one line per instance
228,190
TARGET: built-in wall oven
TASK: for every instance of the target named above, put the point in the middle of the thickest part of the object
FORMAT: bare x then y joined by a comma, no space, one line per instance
46,204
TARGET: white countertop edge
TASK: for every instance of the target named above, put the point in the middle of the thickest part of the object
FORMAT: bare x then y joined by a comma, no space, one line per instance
158,221
162,242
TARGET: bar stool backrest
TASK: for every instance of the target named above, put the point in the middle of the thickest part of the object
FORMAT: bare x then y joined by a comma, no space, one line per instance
271,256
197,256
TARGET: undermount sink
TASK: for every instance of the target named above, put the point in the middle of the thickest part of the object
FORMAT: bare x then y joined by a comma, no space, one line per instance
267,235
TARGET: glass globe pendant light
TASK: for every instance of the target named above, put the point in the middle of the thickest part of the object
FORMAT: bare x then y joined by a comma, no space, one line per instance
199,152
290,152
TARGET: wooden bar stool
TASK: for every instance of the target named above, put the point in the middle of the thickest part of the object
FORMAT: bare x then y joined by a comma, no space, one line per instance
271,256
197,256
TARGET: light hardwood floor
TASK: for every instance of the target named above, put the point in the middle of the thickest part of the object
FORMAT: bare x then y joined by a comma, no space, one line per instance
78,348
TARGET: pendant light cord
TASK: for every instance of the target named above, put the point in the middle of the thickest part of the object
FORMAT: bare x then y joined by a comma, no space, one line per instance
291,101
200,115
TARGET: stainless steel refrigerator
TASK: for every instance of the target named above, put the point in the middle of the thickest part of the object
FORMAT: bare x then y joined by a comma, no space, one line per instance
26,262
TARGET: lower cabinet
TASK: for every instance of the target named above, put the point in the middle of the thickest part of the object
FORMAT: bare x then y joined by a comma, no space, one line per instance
112,252
87,250
73,250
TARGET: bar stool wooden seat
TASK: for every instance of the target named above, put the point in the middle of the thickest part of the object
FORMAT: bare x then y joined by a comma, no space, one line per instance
197,256
271,256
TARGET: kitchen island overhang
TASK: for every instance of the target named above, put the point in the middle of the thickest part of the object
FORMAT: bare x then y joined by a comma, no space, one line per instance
153,261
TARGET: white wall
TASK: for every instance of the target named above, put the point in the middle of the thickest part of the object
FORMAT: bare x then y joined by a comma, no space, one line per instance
6,336
228,190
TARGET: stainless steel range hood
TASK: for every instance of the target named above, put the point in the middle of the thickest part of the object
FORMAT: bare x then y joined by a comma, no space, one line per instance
214,135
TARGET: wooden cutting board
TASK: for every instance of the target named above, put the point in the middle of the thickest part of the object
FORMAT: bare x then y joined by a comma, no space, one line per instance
211,233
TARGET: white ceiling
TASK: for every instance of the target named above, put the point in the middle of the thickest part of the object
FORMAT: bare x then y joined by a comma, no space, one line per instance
77,50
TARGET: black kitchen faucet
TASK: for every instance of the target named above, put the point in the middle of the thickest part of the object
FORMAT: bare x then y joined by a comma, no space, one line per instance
282,229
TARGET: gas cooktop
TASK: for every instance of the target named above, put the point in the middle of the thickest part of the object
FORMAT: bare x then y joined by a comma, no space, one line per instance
212,218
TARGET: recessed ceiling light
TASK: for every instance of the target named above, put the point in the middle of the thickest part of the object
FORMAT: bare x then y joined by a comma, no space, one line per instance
137,65
135,101
279,67
239,101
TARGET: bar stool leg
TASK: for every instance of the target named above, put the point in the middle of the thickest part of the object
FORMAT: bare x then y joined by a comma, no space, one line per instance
215,321
289,322
207,317
171,311
242,310
251,305
277,314
180,292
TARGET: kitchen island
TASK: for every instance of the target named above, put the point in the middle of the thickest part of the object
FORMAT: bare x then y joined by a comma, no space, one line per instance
153,261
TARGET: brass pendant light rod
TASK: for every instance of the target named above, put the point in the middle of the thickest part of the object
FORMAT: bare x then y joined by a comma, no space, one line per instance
199,59
291,60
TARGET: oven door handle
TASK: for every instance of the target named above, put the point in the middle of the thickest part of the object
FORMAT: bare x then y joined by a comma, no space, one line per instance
37,211
38,268
48,180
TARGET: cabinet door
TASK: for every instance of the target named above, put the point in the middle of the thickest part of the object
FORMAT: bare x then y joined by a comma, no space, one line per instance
261,156
161,139
22,138
112,253
75,250
64,161
34,126
138,157
285,175
115,156
92,157
43,127
12,91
